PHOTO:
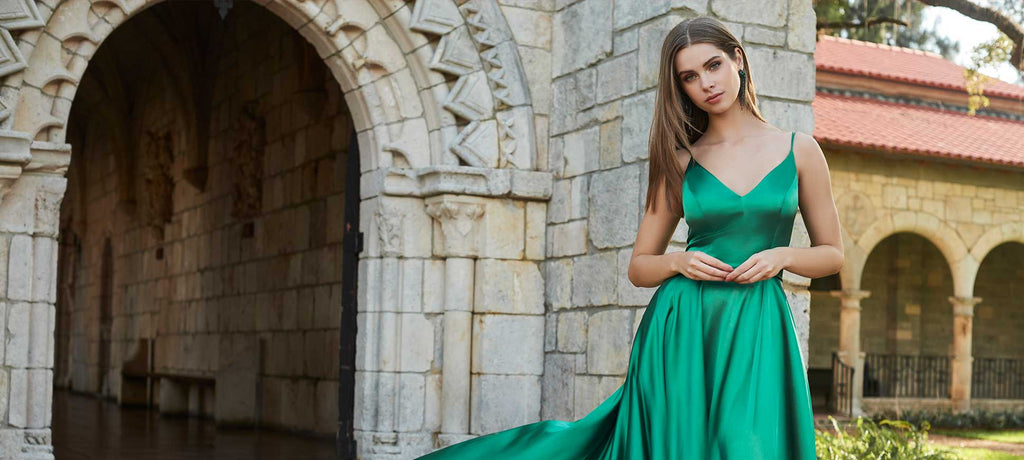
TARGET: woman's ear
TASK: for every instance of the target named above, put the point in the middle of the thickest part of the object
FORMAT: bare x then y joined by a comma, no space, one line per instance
738,53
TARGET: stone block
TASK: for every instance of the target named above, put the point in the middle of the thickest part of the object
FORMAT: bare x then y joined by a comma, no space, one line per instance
326,407
650,38
611,144
637,113
238,374
582,33
572,332
417,343
610,334
630,295
43,275
557,387
432,403
17,412
536,228
394,226
764,35
19,271
624,41
616,77
40,334
411,401
512,286
503,401
796,83
508,344
558,283
567,239
537,66
593,279
582,151
529,27
591,391
18,334
768,13
613,203
433,285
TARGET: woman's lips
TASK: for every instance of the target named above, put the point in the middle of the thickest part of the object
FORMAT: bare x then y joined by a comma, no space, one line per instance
714,98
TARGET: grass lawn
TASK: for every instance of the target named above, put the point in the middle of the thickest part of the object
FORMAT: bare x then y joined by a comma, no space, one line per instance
968,453
1014,435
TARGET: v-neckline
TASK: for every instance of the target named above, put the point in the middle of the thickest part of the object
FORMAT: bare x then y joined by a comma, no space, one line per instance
759,182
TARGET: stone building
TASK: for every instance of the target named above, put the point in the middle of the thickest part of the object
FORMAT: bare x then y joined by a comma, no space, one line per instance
929,304
303,214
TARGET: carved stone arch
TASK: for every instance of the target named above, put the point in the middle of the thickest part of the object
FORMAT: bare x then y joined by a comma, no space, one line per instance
995,236
944,237
399,99
854,258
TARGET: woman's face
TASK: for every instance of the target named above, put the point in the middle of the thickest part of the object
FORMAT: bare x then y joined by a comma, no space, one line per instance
704,71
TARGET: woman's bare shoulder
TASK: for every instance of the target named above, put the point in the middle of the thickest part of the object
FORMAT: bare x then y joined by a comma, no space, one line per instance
806,152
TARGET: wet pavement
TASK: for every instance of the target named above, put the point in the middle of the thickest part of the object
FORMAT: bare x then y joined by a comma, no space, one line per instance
85,427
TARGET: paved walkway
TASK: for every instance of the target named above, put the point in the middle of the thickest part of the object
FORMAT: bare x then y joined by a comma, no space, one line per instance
89,428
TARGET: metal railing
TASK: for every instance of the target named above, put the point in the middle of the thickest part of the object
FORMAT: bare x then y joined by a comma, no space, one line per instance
840,399
997,378
915,376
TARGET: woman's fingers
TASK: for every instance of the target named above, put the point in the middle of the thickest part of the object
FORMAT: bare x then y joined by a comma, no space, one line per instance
704,257
710,271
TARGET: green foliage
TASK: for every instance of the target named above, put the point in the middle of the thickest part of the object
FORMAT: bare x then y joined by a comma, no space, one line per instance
974,418
887,439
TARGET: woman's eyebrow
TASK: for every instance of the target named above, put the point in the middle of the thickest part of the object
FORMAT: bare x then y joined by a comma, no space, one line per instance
705,63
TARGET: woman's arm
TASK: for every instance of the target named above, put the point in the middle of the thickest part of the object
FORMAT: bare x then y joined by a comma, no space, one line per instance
649,265
818,209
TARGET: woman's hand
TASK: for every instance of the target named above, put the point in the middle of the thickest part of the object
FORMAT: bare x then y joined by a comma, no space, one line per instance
760,266
697,265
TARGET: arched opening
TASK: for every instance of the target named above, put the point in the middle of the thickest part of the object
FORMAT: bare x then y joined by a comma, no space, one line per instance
998,368
907,321
211,188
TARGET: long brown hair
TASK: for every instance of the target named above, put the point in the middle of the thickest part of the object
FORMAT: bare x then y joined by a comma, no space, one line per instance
677,122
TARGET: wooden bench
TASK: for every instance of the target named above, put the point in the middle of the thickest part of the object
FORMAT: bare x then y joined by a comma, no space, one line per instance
140,384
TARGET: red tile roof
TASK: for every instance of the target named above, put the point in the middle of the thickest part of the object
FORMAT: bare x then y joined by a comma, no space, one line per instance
886,62
893,127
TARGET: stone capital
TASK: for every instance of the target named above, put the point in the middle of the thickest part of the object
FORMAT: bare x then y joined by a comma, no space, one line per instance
964,306
850,298
15,154
458,218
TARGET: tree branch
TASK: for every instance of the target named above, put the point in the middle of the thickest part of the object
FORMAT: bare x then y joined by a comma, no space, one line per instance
992,16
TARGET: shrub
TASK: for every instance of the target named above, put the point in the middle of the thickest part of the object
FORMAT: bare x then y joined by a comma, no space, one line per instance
945,418
886,439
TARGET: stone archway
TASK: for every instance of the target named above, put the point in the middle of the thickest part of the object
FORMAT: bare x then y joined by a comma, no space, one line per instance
420,134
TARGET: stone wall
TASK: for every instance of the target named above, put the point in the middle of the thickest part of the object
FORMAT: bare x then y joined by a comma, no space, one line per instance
945,213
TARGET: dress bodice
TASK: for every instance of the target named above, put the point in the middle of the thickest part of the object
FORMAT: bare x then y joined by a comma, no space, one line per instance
732,227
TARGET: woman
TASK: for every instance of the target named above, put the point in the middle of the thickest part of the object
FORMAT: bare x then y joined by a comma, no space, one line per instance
715,370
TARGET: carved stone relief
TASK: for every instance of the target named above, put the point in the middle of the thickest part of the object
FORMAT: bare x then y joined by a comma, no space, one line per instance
856,211
246,158
484,44
158,181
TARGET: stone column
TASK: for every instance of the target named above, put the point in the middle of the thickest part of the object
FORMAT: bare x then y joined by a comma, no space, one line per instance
458,219
32,186
960,367
849,341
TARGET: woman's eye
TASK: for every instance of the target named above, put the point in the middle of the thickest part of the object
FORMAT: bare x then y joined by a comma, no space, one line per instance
714,65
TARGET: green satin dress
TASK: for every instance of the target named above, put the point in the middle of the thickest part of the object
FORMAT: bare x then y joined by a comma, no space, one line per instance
715,370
